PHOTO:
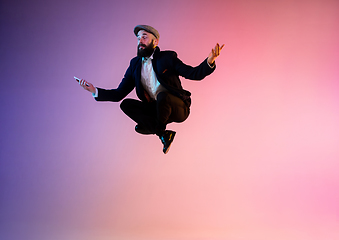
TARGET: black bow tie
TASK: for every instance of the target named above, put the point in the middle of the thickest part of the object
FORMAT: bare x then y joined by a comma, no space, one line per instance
145,59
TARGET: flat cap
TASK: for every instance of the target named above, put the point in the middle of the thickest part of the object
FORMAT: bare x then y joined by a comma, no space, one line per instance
147,29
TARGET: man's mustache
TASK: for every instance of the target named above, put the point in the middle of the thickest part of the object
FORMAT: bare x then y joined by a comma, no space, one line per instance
142,45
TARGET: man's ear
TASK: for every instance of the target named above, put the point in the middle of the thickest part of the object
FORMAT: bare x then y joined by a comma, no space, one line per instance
156,42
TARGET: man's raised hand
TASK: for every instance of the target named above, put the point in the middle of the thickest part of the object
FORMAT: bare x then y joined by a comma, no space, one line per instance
214,53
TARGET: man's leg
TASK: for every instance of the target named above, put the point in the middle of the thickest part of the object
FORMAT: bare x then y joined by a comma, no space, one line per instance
144,114
170,109
156,115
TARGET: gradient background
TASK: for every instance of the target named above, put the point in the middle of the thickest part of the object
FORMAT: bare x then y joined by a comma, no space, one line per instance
258,157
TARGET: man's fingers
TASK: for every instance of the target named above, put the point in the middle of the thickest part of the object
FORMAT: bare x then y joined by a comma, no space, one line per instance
218,45
83,83
216,50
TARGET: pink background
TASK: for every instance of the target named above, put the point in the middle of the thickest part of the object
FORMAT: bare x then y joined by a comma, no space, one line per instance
258,157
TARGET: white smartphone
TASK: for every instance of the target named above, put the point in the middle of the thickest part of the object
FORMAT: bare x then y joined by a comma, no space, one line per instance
78,80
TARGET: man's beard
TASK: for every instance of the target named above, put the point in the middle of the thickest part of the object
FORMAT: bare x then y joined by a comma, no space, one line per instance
147,51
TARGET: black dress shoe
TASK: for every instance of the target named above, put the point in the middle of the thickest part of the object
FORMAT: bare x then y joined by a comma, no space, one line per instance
142,130
167,139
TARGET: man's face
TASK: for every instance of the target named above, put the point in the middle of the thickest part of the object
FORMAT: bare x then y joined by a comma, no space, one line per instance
146,43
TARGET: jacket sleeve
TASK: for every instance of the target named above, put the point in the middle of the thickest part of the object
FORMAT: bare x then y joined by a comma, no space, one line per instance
125,87
192,73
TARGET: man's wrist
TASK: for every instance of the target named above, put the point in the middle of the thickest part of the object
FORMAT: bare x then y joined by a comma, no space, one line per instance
211,65
95,94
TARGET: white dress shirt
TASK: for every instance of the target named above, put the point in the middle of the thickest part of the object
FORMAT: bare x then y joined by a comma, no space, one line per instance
149,79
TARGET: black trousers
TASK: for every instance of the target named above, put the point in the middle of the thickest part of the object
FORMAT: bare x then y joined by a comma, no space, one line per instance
154,116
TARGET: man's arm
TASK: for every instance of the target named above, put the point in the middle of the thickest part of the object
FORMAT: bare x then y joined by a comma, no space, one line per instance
201,71
114,95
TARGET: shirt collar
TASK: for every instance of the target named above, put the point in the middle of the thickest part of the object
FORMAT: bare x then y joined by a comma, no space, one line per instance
144,59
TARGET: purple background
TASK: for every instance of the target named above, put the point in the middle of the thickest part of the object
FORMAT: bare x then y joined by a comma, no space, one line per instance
258,157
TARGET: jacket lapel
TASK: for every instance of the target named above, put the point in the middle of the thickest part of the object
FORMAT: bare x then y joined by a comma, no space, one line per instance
154,61
137,78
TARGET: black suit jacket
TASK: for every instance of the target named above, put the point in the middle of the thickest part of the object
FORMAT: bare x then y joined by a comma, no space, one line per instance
168,67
